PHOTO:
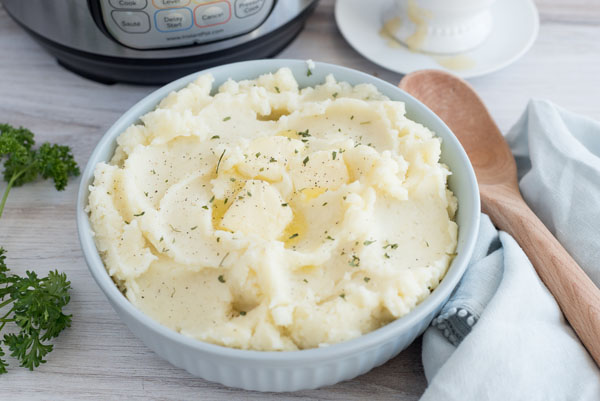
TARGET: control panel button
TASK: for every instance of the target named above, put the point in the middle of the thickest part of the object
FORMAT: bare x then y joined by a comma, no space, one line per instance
210,14
176,19
129,4
132,21
246,8
170,3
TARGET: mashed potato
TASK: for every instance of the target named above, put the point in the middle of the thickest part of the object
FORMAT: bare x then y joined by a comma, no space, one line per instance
267,217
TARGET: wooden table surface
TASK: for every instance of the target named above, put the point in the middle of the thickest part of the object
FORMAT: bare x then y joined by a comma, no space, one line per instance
98,358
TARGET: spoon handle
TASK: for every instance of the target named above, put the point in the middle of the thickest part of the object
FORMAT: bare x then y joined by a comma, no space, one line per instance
576,294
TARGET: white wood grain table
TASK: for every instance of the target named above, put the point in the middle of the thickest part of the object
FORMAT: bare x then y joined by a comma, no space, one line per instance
98,358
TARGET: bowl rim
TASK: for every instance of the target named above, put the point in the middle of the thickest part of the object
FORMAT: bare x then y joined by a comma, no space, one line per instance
344,348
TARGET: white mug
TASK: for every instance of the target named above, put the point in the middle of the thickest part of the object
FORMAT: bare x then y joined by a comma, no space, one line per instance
443,26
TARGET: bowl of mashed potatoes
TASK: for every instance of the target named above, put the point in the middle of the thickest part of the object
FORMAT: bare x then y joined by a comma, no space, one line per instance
278,225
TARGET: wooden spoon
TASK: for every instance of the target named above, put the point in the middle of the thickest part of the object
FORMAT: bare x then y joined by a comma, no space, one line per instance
456,102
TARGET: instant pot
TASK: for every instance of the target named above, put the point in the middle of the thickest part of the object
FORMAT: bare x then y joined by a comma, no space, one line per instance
157,41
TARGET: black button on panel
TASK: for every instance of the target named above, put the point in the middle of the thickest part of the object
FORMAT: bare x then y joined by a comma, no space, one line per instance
129,4
246,8
132,21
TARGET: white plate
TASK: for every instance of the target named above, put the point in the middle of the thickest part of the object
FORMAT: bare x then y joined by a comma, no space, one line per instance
515,28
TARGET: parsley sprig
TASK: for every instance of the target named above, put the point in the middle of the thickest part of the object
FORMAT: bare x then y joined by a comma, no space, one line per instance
23,164
35,305
31,303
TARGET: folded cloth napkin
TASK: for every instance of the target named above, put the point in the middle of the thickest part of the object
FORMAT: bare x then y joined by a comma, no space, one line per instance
502,336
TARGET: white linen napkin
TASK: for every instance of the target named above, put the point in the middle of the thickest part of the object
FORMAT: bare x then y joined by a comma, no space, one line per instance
502,336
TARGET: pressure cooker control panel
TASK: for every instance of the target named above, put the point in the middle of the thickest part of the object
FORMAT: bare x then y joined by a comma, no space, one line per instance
153,24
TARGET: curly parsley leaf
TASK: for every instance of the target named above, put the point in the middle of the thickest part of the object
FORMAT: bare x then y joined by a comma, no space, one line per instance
22,163
35,305
3,364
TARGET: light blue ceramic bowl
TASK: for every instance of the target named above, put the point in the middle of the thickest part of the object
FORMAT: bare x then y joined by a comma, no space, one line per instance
293,370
